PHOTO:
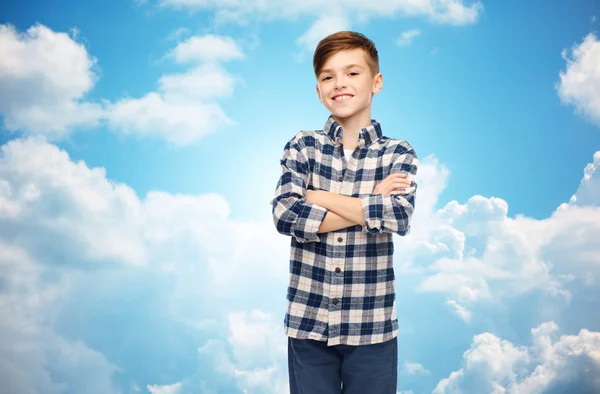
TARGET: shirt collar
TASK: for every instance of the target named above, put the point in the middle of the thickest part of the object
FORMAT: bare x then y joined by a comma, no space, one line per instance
366,137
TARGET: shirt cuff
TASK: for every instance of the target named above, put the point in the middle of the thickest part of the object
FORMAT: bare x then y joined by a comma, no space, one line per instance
308,222
372,206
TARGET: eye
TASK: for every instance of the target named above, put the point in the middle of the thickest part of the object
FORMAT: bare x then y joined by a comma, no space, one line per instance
354,73
326,78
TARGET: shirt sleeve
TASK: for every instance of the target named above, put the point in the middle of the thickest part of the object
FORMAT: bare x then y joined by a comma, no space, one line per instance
393,213
292,215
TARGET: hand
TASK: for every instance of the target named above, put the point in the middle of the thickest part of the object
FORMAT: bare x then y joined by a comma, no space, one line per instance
393,182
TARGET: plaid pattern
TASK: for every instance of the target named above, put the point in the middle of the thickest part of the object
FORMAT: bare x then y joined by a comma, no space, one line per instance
342,284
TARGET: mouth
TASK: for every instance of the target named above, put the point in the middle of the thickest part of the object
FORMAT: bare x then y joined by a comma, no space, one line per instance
342,97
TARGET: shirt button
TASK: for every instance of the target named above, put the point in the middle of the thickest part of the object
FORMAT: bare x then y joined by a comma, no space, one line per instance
340,239
339,148
340,178
335,301
338,270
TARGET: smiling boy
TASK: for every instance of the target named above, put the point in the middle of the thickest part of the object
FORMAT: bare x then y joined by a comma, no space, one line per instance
343,192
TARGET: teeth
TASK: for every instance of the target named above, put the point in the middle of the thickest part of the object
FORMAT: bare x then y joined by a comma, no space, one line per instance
339,98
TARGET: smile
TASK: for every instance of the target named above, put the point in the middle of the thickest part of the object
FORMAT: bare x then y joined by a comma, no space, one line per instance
342,97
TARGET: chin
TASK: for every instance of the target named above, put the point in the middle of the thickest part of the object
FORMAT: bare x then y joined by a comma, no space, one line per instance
344,114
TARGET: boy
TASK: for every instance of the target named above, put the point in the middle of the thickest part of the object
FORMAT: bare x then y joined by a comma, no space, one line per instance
343,192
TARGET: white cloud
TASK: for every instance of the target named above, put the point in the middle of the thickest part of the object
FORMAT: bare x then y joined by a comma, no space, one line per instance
184,109
44,78
202,83
343,12
570,364
322,27
256,338
208,48
588,192
178,33
29,348
460,310
56,199
474,253
257,362
407,37
579,84
454,12
260,351
66,218
178,122
412,368
166,389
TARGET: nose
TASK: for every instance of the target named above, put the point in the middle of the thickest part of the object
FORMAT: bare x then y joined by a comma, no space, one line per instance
340,83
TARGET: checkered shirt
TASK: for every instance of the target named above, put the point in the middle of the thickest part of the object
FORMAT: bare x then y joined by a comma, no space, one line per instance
342,286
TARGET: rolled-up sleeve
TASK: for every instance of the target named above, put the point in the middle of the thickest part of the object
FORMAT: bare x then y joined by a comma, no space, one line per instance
393,213
292,215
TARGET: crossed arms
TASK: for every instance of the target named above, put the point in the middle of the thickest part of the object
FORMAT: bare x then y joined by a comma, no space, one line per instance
304,214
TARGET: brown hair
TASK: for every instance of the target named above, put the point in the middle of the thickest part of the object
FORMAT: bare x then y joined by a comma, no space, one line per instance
342,41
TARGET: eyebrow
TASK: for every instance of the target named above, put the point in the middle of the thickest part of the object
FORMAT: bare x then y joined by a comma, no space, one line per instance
328,70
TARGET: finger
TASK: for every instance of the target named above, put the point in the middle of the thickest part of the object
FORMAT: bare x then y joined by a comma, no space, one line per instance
398,184
397,191
397,175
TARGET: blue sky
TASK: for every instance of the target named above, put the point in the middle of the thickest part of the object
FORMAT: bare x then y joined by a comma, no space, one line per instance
141,144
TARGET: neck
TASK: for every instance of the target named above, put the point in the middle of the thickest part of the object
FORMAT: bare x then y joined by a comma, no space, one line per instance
353,125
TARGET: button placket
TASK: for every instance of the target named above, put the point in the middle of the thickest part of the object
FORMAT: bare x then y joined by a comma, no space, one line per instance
337,280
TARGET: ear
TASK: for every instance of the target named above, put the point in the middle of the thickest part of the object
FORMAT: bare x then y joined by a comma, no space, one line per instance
377,83
318,93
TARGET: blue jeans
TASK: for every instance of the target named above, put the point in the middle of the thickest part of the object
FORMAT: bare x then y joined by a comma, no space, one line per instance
315,368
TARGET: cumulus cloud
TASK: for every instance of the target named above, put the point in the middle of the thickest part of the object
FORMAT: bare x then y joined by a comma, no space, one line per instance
208,48
180,123
569,364
579,84
260,351
72,238
475,253
44,79
32,355
54,199
257,362
185,108
62,220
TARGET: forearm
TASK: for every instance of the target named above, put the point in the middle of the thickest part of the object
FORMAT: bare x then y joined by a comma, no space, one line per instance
333,222
349,208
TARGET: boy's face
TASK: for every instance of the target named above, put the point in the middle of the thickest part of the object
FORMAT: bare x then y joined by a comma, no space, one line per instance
346,85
